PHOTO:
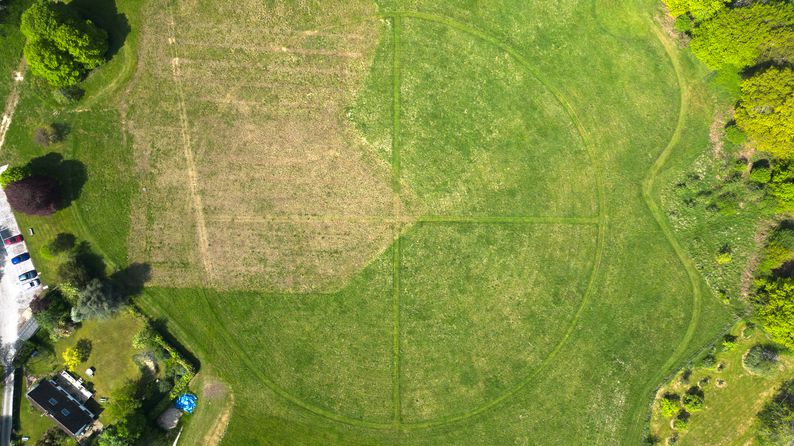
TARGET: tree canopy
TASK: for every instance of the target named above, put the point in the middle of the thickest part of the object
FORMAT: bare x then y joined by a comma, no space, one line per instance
98,300
776,310
60,46
34,195
740,36
699,9
14,173
766,111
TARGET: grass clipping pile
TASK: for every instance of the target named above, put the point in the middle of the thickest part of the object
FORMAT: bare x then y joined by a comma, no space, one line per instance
252,177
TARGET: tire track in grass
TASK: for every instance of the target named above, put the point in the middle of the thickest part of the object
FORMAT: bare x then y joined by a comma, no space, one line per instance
12,101
396,259
637,426
192,173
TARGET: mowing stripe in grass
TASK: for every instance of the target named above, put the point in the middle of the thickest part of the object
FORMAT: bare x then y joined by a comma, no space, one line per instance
396,262
508,219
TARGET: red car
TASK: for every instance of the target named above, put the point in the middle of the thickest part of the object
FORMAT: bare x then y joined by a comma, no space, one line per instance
13,240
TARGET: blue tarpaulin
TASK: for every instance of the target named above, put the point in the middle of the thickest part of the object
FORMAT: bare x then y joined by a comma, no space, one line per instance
186,402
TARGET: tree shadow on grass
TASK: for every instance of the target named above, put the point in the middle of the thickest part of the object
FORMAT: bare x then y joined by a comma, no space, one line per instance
105,15
71,175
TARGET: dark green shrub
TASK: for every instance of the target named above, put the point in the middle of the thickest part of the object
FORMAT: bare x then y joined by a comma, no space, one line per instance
693,400
760,359
708,361
681,421
728,342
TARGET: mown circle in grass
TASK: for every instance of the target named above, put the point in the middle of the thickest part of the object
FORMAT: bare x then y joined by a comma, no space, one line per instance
485,298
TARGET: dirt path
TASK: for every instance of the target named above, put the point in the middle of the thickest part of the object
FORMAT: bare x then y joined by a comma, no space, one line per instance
12,101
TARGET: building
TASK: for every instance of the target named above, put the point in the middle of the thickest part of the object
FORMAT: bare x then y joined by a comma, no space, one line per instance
66,401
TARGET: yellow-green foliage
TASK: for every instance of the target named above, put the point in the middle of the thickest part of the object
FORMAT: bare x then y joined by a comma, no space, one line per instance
782,185
669,406
777,311
71,359
700,9
739,36
774,256
60,47
12,174
766,111
723,258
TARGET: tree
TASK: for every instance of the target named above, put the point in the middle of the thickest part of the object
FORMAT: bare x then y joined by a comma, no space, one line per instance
766,111
53,313
51,63
13,174
71,359
83,349
53,437
34,195
97,301
740,36
700,9
60,46
118,434
777,418
776,311
123,401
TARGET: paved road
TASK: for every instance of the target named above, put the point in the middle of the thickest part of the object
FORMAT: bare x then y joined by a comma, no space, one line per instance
6,418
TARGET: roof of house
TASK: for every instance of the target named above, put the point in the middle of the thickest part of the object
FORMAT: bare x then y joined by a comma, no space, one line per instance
65,409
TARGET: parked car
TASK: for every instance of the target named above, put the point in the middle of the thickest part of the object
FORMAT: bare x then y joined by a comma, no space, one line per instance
28,275
33,283
13,240
20,258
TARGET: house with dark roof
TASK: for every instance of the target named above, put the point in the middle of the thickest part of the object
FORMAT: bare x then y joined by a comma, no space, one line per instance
65,403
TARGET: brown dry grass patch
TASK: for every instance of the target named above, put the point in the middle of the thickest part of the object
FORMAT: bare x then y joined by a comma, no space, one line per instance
239,115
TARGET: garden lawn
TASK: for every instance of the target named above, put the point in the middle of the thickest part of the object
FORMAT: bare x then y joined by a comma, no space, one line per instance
415,222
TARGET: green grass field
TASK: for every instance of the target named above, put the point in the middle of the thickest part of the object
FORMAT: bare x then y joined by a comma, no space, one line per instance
404,223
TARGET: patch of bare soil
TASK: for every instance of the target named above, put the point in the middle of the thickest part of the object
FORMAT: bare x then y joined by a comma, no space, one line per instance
215,390
717,133
667,23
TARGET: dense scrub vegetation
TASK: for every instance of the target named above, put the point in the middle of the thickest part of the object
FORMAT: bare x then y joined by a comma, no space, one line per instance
741,193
